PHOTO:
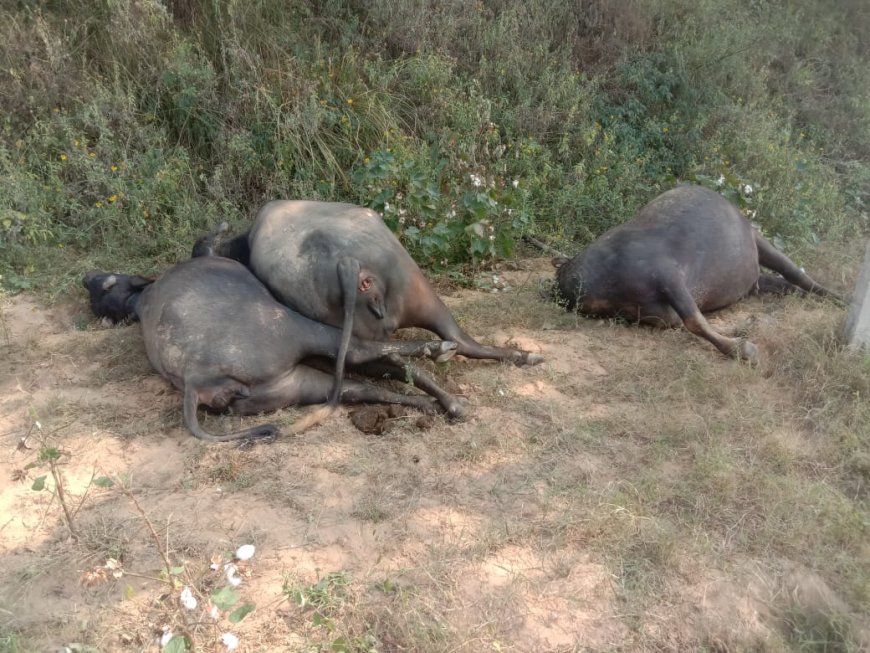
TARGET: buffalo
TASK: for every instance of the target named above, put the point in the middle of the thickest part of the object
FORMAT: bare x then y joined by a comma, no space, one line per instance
341,265
687,252
213,330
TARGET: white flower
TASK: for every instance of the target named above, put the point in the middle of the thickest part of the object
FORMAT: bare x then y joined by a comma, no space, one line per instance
188,600
387,207
232,574
165,637
214,613
491,237
245,552
402,220
475,180
451,213
230,641
721,180
515,183
747,190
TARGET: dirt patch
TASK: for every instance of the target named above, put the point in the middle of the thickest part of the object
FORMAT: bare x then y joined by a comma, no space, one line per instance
594,502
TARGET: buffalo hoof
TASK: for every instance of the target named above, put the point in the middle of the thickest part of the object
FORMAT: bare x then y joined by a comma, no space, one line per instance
747,352
455,409
445,351
528,358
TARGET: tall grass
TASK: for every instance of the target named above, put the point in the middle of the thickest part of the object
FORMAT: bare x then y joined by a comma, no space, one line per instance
130,126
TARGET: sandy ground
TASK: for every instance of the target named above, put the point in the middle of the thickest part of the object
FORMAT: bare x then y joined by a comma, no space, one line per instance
451,537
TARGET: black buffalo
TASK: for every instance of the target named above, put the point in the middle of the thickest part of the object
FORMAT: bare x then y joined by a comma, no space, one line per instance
341,265
686,252
218,335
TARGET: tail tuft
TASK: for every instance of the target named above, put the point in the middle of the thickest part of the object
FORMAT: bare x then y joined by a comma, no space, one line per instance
312,418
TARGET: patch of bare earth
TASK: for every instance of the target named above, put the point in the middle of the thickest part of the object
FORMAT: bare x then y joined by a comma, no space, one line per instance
634,492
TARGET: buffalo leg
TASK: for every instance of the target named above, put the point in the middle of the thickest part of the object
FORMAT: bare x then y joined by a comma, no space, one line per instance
306,385
325,341
445,326
393,367
774,284
773,259
218,395
682,302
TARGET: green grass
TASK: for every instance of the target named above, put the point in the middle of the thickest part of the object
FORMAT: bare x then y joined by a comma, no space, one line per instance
126,131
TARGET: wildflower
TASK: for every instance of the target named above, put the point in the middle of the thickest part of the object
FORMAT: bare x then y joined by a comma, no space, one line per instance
92,155
451,213
665,130
387,207
721,180
350,101
99,205
515,183
165,637
366,160
114,168
747,190
475,180
214,613
76,142
491,237
402,220
444,262
187,599
63,157
344,119
230,641
245,552
112,199
323,103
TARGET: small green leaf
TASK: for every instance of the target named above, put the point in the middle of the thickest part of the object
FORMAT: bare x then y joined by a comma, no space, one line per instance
241,612
49,453
319,620
38,484
178,644
225,598
129,592
176,571
103,481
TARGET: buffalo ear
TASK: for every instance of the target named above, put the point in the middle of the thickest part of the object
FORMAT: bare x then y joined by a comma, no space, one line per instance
109,281
559,261
140,282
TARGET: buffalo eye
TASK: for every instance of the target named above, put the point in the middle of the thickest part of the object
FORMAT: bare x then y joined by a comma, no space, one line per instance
365,284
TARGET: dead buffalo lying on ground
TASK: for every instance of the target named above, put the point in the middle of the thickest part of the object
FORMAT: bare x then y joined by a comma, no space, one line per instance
216,333
341,265
686,252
